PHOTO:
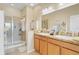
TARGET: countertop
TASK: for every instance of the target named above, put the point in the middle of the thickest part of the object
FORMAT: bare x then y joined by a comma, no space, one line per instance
68,39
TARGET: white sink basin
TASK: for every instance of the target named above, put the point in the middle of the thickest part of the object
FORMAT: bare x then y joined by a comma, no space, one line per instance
63,37
76,38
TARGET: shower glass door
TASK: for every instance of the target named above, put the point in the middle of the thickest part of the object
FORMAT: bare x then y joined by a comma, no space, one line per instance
16,26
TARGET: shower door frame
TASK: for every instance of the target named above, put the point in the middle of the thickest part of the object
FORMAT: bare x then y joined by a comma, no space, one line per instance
12,29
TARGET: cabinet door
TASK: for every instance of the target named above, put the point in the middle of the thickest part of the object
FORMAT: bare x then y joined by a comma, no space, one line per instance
53,49
65,51
43,47
36,44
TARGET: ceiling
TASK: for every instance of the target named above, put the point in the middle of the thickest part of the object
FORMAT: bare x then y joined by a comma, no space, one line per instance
15,5
20,6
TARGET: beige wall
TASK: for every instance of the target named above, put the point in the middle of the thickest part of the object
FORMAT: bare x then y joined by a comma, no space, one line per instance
37,12
62,15
9,11
23,12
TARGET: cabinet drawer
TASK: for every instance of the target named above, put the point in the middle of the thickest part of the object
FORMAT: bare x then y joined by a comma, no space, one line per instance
37,36
41,37
65,51
44,38
54,41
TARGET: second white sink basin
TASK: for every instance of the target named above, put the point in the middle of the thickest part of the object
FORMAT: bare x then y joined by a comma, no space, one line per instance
66,37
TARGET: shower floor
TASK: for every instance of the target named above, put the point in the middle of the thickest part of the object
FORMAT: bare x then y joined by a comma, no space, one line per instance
17,52
16,44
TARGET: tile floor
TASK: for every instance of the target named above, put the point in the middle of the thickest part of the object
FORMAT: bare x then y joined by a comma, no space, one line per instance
23,53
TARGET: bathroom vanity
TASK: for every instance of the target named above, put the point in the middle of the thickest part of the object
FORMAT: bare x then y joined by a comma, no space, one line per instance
47,44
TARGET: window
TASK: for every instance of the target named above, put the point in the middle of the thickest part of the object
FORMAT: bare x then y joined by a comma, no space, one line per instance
74,23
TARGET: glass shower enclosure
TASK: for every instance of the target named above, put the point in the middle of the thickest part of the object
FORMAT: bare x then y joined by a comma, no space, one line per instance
12,31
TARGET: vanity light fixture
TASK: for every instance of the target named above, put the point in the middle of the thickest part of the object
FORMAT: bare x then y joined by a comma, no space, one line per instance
47,10
44,10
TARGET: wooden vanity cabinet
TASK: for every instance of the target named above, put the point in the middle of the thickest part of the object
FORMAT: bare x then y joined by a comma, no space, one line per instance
52,46
53,49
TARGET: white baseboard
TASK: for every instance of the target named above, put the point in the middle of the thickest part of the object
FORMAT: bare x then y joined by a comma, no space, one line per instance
31,51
